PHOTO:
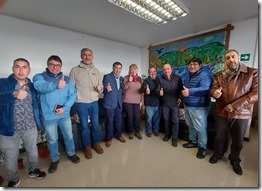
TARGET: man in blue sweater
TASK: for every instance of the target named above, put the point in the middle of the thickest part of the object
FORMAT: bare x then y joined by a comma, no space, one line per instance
197,100
57,95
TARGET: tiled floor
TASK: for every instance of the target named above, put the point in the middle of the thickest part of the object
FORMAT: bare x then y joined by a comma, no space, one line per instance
149,162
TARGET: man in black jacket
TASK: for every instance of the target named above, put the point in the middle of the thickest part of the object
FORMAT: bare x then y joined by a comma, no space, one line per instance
151,102
169,88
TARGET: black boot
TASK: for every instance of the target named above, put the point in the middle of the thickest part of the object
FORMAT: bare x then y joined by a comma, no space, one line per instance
174,142
166,138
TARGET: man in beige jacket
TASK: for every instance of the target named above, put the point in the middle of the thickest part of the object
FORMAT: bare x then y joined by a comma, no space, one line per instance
88,83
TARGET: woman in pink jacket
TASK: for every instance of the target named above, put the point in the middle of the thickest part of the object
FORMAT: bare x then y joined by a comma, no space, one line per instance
132,100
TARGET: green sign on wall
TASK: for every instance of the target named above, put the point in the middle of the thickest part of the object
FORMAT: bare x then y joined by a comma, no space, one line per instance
244,57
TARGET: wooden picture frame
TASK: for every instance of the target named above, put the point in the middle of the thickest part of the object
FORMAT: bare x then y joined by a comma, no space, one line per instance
209,47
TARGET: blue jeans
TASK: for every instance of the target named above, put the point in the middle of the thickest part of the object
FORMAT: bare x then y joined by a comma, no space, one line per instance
65,126
10,147
196,119
85,110
152,119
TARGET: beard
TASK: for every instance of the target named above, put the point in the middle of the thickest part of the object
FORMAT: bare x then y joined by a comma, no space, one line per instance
233,66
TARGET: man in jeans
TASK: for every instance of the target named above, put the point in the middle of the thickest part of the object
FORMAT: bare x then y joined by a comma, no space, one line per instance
197,100
88,83
57,95
151,102
19,116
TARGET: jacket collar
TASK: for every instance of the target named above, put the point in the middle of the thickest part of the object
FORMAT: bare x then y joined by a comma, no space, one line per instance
81,65
51,74
242,68
11,77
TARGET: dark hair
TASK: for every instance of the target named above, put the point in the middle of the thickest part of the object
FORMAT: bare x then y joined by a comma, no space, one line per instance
21,59
117,63
54,57
150,68
195,59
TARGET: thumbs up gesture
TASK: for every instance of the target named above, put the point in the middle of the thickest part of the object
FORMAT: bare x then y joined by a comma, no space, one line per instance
147,89
130,78
218,93
21,93
161,93
61,83
109,87
98,87
185,91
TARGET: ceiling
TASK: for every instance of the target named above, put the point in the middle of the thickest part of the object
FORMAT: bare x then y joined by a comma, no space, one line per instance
105,20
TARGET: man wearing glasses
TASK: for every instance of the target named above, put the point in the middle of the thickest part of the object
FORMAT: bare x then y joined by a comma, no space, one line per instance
57,95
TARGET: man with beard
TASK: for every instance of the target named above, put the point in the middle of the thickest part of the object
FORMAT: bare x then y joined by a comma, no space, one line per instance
235,90
88,83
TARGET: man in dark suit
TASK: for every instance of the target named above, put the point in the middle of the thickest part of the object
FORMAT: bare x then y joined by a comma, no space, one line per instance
112,102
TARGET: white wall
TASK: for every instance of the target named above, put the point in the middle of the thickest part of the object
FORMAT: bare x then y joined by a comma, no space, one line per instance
36,42
242,38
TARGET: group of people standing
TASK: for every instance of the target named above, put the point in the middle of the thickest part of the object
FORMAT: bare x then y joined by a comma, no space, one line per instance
53,94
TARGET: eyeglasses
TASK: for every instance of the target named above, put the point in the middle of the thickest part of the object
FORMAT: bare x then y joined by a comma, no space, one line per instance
55,65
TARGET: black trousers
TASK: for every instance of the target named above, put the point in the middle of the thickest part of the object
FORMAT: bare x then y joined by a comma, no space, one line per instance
133,117
171,118
227,128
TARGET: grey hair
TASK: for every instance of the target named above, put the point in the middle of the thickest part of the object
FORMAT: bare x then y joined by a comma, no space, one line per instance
231,50
86,49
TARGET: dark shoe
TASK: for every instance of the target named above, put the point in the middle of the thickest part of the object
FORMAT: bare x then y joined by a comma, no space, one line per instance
201,153
190,144
148,134
88,152
1,180
121,139
131,136
98,148
13,183
237,168
166,138
53,166
36,173
74,158
213,159
174,142
138,135
156,134
108,143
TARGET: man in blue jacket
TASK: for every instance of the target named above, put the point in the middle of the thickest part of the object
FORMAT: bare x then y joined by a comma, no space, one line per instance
197,100
57,95
19,120
112,102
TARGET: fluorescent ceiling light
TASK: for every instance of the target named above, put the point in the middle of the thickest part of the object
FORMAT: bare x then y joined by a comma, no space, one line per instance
155,11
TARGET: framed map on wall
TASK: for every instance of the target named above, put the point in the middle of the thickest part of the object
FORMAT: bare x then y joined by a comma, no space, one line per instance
209,47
